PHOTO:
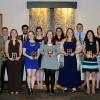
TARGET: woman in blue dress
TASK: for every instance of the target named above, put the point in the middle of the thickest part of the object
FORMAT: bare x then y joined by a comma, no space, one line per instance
90,66
31,53
69,77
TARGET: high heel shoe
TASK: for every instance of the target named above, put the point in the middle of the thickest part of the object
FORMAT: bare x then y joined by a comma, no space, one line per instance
16,92
11,92
29,90
73,90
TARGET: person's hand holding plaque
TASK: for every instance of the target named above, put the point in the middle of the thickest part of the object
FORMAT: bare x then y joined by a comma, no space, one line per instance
69,52
14,55
33,54
89,54
50,52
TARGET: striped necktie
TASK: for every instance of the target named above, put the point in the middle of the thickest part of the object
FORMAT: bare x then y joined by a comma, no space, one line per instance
80,37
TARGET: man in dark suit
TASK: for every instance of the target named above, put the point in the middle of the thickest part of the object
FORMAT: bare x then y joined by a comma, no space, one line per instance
23,37
4,65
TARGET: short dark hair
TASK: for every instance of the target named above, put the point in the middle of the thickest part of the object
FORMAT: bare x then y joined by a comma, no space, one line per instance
80,24
38,27
25,26
4,28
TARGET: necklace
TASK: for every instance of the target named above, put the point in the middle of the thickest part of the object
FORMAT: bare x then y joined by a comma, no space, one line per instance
32,44
90,43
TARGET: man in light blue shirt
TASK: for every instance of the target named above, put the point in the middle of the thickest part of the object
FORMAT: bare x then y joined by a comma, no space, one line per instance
80,35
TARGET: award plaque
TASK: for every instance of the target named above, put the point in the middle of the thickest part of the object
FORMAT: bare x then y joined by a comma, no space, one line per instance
33,54
89,54
14,55
50,52
69,51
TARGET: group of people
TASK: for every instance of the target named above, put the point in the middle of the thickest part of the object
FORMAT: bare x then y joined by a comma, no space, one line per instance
59,57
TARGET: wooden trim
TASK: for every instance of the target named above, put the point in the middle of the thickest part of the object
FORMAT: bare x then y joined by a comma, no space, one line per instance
37,4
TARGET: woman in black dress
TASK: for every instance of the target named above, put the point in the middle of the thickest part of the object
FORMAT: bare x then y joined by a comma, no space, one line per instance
59,36
40,72
13,50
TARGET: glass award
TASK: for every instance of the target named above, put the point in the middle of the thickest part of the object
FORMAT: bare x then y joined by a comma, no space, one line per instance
69,51
33,54
14,55
50,52
89,54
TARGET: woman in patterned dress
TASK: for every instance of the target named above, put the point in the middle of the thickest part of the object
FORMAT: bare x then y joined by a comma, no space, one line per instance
90,66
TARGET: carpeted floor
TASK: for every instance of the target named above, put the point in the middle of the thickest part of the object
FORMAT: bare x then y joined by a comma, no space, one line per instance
41,95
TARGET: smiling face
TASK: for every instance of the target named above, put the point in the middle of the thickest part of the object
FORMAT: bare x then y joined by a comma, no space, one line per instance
89,35
69,33
25,30
49,35
31,35
58,32
79,28
5,32
39,32
14,33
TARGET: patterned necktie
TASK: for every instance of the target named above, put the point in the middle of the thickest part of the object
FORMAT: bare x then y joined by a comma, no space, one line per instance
80,38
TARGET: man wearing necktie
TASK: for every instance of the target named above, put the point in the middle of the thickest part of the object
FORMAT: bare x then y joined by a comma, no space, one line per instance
80,35
80,38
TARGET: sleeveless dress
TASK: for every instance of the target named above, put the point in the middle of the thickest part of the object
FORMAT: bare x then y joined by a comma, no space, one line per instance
14,68
68,75
90,64
31,47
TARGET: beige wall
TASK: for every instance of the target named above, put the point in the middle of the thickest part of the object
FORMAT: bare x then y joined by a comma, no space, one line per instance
15,13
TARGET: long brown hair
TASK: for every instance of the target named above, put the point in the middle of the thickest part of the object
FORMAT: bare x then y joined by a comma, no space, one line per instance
46,38
73,37
10,38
